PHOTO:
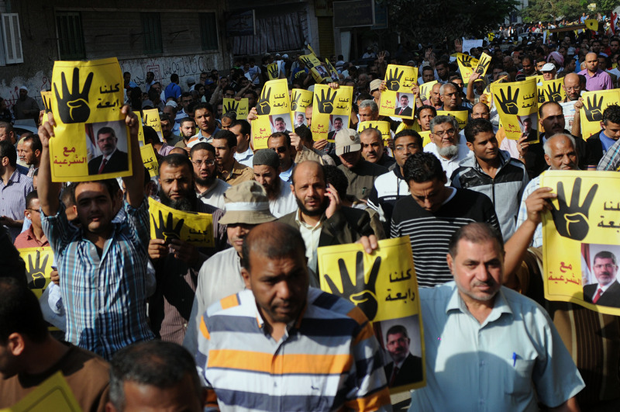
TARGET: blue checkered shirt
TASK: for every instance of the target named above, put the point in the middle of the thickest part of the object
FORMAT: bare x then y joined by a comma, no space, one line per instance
104,297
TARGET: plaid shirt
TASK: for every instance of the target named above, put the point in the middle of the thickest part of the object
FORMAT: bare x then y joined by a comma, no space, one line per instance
611,159
104,297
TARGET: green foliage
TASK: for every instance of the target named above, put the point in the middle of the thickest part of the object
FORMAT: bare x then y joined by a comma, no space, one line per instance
433,21
549,10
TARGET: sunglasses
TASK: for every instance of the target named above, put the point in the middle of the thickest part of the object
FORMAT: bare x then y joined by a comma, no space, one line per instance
281,149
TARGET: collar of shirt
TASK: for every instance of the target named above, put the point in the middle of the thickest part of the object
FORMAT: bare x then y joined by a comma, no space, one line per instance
31,237
606,141
607,286
300,221
295,323
286,175
15,178
500,306
108,156
211,188
244,155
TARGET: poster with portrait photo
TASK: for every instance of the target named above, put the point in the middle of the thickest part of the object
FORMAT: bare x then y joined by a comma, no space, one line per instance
337,123
401,342
599,270
107,148
280,123
300,119
529,125
404,105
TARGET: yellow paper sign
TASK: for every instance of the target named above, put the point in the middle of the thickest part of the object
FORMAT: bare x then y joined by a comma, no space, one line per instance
273,71
426,137
152,119
467,65
192,227
300,99
384,286
517,105
581,239
331,110
552,90
425,90
398,100
403,126
39,261
483,64
91,140
461,116
317,70
140,130
274,113
382,126
240,107
333,73
52,395
150,159
592,24
594,104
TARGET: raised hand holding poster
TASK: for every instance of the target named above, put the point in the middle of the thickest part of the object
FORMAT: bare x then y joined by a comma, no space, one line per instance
397,99
331,111
274,112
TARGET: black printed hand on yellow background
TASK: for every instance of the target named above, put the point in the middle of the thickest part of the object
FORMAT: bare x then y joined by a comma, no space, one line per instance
466,60
295,101
263,107
554,92
393,80
273,71
361,293
593,109
167,230
231,107
36,271
571,220
326,101
73,105
508,101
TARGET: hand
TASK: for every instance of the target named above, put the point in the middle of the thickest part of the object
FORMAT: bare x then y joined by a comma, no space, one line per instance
296,141
553,92
571,221
334,85
326,101
183,251
54,277
362,294
538,202
474,76
231,107
415,89
46,130
47,102
158,249
594,109
262,106
508,102
295,101
458,46
73,105
36,272
466,60
320,144
131,120
167,230
273,71
7,221
523,145
578,104
381,57
393,79
369,243
252,115
334,202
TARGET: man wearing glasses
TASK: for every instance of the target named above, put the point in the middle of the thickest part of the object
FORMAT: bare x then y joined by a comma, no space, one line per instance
445,144
209,189
281,144
606,292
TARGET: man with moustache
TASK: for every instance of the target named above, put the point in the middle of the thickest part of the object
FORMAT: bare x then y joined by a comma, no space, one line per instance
445,143
111,159
267,173
606,292
176,261
209,189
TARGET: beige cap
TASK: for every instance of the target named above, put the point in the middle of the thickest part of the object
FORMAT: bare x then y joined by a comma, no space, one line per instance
375,85
246,203
347,141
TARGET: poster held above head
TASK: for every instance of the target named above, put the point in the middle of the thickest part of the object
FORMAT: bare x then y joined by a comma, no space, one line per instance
382,126
273,103
327,103
239,107
594,104
517,106
397,99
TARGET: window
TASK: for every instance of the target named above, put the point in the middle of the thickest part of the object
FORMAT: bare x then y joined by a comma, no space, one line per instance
11,38
208,31
151,27
70,36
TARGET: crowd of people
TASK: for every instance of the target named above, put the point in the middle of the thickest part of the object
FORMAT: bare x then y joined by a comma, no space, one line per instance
157,322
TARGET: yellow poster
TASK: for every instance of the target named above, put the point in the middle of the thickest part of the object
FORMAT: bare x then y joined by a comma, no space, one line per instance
594,104
39,261
467,65
461,116
273,71
517,105
382,126
47,106
581,239
483,65
239,107
52,395
140,130
149,159
317,70
274,113
384,286
403,126
152,119
331,110
426,137
333,73
191,227
91,140
425,90
552,91
300,99
398,100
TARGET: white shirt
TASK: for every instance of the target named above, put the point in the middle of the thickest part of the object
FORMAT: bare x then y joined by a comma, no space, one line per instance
285,203
449,165
245,158
311,236
214,195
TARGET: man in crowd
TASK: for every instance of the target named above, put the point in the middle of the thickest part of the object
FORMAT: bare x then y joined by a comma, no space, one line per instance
280,307
360,173
205,120
424,115
167,124
209,189
187,129
373,149
596,79
281,144
598,144
230,170
244,153
26,107
503,342
445,143
173,90
452,99
106,255
111,159
267,173
492,172
434,97
30,153
33,236
572,88
14,187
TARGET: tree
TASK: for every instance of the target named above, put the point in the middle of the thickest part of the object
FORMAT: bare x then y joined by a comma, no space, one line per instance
431,21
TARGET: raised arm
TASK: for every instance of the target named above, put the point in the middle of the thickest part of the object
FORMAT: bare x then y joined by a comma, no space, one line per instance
134,184
48,191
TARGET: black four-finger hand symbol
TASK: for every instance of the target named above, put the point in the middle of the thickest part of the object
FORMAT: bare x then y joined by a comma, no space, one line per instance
508,102
326,101
571,220
73,105
273,71
47,102
360,293
594,109
36,271
262,106
231,107
393,80
554,92
167,230
295,101
466,60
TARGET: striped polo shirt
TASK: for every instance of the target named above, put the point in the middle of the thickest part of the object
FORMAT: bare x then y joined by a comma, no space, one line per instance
327,360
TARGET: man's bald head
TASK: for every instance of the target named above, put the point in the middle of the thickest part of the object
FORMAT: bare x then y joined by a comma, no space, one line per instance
561,152
572,86
309,166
